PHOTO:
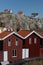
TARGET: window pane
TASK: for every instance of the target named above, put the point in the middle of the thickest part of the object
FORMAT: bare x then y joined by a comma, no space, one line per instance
35,40
29,40
14,52
9,43
16,42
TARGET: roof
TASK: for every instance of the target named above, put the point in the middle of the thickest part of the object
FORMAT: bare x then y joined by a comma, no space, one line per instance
40,33
5,33
24,33
20,12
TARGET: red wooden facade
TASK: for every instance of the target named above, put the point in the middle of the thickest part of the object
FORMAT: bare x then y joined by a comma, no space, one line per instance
12,47
9,49
26,40
35,49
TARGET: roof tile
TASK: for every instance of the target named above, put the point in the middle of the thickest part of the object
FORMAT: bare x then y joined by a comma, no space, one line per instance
24,33
40,33
5,33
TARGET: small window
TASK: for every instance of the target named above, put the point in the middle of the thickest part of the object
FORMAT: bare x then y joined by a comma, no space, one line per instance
14,52
35,40
16,42
30,41
9,43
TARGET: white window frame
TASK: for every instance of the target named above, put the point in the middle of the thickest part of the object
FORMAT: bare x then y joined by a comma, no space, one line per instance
9,43
35,40
30,40
13,51
16,42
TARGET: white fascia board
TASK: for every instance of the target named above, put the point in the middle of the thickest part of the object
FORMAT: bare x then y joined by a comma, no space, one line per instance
7,36
1,39
29,34
20,35
11,34
35,33
38,34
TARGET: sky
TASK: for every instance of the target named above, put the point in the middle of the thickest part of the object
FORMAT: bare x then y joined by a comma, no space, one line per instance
27,6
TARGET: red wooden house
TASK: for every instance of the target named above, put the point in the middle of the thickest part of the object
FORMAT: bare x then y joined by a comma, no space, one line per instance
41,42
10,46
32,43
21,45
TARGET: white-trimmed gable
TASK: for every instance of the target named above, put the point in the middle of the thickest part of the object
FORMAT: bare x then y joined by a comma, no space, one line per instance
21,36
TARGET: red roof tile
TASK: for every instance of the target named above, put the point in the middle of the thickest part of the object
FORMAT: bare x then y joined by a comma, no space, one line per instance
40,33
20,12
24,33
5,33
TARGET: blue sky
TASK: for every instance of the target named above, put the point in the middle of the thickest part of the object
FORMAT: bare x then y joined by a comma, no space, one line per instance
27,6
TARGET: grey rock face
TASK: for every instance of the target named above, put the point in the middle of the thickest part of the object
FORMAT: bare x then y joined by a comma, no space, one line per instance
17,22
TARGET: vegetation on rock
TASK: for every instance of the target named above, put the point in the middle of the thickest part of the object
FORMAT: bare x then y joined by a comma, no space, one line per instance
17,21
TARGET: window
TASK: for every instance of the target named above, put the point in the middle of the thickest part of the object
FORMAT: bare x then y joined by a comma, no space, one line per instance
16,42
9,43
35,40
30,41
14,52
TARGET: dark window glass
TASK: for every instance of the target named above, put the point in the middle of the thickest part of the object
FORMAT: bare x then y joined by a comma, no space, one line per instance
14,52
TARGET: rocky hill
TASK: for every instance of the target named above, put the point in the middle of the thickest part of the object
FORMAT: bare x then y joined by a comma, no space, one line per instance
18,21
